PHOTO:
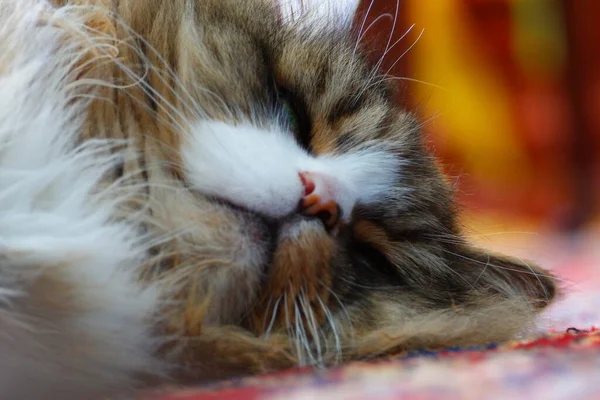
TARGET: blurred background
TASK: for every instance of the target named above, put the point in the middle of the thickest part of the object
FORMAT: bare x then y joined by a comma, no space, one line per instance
509,92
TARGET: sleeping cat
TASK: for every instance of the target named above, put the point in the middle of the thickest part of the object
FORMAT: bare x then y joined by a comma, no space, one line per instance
198,189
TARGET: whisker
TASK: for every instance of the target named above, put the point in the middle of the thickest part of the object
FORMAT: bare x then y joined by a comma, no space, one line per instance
378,65
292,333
483,270
375,70
362,25
310,317
301,332
507,268
358,285
162,60
405,52
333,327
404,78
264,322
537,276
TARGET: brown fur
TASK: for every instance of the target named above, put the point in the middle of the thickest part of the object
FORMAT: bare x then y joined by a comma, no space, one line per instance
399,276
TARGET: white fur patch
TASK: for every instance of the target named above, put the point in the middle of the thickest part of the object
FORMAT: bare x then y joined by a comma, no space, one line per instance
258,169
74,323
319,13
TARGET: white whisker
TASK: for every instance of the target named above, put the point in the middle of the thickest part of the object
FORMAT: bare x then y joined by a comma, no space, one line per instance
405,52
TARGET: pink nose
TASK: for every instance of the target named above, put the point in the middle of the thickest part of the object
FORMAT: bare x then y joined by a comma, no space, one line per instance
319,199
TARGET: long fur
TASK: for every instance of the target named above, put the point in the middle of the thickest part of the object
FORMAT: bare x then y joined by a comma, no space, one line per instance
74,322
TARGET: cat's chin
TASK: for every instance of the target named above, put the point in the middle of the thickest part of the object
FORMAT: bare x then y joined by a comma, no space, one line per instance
298,270
264,233
298,225
268,255
267,234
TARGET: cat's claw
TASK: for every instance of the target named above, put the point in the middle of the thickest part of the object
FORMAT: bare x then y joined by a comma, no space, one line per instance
319,200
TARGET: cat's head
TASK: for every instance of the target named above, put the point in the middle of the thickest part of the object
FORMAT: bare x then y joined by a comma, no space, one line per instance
308,204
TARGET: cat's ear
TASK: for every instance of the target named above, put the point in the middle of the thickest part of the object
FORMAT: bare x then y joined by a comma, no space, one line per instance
508,276
318,13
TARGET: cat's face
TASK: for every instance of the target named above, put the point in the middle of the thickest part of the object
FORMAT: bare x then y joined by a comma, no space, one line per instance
335,221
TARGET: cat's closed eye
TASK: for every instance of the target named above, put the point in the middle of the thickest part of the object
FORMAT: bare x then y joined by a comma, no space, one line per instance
294,116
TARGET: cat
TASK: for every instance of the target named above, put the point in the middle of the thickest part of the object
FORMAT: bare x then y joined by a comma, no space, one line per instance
198,189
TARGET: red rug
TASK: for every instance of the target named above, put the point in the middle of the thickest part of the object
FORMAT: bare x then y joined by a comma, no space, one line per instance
562,362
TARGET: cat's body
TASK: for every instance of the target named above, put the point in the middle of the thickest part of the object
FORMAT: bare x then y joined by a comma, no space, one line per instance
220,188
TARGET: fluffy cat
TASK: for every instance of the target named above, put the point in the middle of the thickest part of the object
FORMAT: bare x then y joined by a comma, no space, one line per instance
197,189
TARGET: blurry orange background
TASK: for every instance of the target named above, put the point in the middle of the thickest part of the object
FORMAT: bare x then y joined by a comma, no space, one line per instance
509,92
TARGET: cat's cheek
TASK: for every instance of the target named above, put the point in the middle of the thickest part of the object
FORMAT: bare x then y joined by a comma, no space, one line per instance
250,167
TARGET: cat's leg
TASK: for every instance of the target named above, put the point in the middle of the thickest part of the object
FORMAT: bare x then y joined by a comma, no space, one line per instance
74,324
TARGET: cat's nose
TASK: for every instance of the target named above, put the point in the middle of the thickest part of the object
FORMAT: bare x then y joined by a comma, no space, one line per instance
319,199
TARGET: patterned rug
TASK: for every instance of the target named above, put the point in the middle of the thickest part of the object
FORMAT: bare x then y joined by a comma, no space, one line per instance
561,362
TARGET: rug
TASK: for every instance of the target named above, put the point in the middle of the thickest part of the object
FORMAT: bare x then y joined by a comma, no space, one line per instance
560,362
